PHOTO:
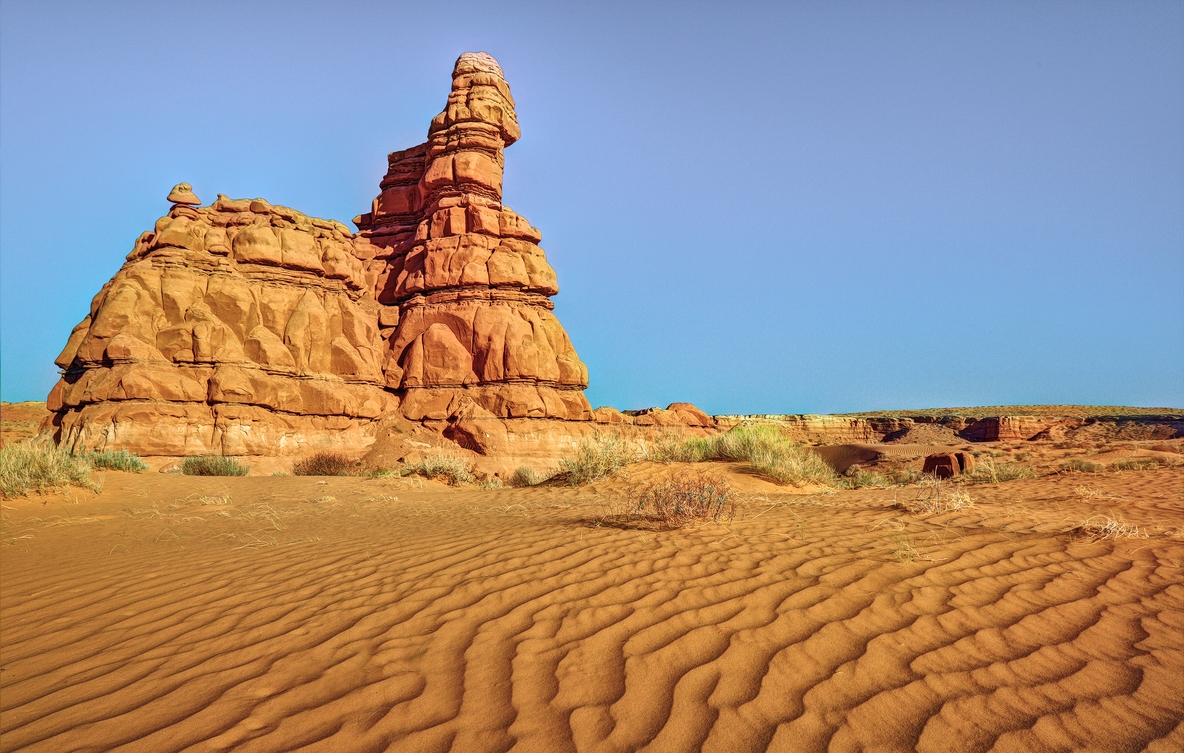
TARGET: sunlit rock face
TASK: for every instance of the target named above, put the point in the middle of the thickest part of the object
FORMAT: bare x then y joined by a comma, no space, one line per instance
240,328
469,327
243,328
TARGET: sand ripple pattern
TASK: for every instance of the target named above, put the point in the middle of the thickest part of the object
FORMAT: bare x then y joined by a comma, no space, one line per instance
502,620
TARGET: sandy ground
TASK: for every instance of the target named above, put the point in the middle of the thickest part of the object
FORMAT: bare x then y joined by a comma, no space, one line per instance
274,614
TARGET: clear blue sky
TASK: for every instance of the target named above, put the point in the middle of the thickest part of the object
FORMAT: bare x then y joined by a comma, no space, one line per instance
783,207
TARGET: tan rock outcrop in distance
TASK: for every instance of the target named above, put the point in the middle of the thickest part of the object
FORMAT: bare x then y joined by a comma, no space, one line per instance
239,329
465,287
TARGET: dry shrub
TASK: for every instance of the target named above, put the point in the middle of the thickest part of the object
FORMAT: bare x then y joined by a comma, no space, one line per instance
1105,527
327,464
937,497
40,466
686,500
213,465
442,464
597,457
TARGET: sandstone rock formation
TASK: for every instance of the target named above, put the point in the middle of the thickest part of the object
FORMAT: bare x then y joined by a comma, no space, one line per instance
948,464
464,284
245,328
239,328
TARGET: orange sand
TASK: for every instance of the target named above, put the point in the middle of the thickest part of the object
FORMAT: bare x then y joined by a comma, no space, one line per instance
273,614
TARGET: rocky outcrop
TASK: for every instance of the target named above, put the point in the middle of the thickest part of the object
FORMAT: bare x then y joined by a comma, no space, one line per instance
948,464
464,287
244,328
240,328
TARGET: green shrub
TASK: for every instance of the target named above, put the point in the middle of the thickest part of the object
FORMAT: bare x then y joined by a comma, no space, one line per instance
773,455
38,467
447,465
116,461
671,448
1077,465
213,465
327,464
596,457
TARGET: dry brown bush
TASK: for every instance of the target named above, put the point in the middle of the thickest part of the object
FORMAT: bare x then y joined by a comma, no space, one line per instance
685,500
327,464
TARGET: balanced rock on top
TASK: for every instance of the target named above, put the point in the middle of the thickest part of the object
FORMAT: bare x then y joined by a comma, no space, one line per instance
182,193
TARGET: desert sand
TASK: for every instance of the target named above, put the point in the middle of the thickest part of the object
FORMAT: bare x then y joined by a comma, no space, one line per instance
348,614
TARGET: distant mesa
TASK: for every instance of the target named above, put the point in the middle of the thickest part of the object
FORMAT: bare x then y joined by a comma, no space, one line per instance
246,328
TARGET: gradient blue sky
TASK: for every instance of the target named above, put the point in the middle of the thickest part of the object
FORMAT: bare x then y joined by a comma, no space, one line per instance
811,207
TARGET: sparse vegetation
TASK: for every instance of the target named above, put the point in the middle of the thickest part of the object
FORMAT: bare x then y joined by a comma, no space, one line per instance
327,464
597,457
116,461
442,464
527,476
685,500
937,497
762,445
213,465
903,549
1077,465
990,472
856,477
37,467
1142,464
1106,527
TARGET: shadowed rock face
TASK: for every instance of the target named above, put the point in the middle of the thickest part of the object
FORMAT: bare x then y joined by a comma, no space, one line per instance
469,327
243,328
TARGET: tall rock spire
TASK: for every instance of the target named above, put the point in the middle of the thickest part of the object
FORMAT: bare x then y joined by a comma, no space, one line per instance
468,318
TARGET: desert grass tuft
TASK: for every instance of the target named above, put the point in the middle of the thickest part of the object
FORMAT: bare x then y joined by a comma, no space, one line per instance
763,446
1142,464
213,465
990,472
39,466
116,461
597,457
327,464
442,464
1077,465
527,476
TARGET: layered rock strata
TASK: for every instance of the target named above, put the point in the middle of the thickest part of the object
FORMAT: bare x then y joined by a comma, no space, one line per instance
240,328
249,329
465,288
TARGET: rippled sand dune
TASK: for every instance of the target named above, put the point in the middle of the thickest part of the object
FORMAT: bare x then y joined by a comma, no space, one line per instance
275,614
